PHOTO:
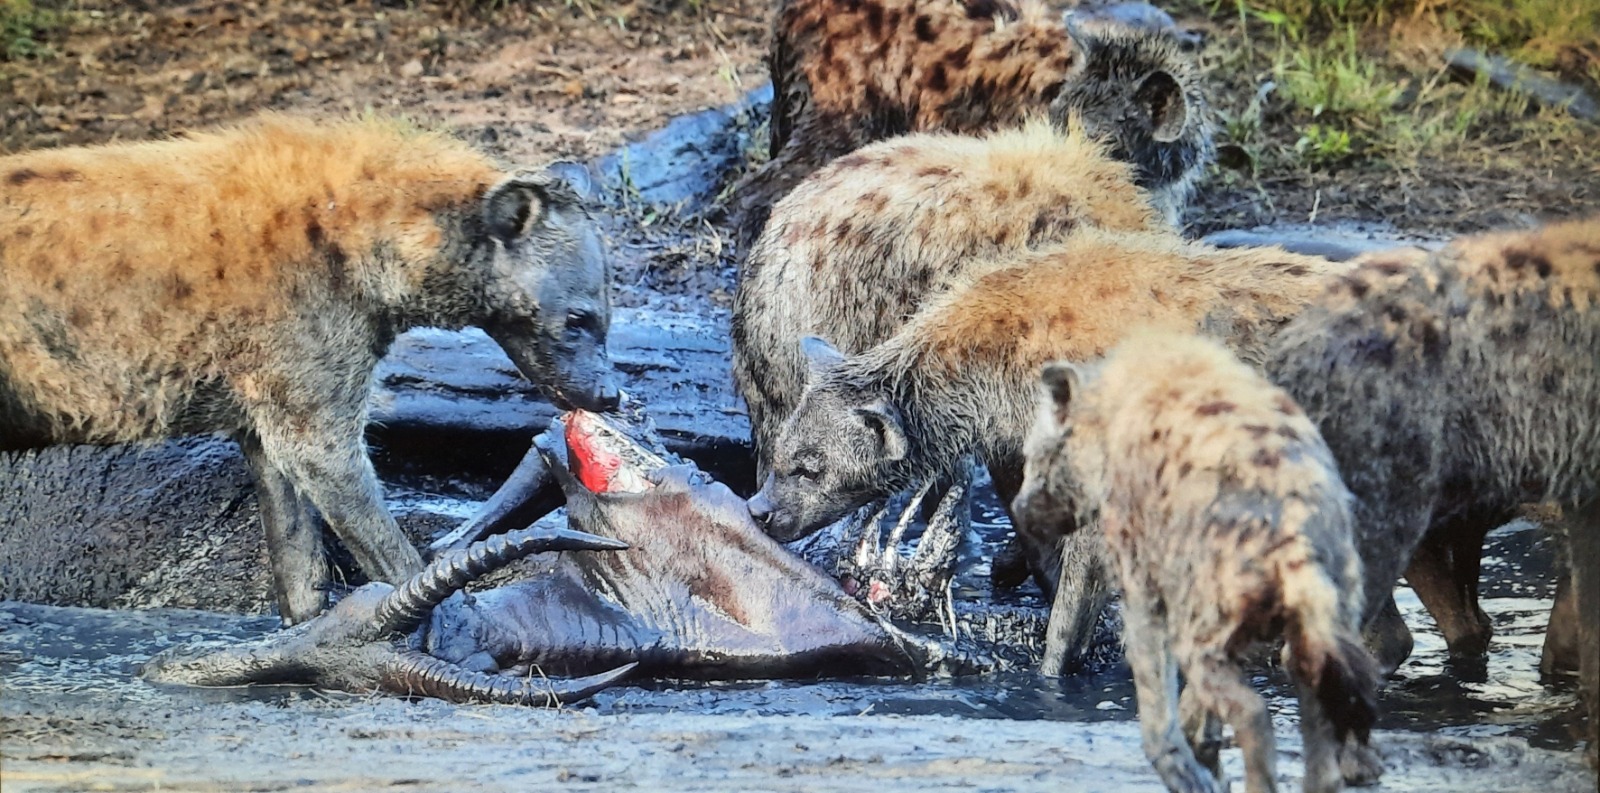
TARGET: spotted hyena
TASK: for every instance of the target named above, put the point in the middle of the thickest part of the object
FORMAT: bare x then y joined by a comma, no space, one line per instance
855,250
958,376
846,73
246,281
1466,383
1227,525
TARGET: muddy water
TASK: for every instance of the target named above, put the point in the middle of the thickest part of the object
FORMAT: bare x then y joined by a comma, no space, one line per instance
74,717
1501,697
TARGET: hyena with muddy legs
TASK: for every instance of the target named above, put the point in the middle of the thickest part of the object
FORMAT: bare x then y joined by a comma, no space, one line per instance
1225,520
247,281
860,246
847,73
957,377
1465,383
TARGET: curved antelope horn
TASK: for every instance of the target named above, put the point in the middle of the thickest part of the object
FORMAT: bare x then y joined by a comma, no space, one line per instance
415,673
402,610
527,495
266,659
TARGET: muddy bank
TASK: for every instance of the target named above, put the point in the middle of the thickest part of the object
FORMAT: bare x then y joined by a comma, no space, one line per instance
76,719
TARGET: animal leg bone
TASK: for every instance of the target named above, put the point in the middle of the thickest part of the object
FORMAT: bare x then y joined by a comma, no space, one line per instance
917,586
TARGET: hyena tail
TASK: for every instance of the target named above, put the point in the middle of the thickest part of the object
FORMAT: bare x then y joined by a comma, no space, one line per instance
1326,652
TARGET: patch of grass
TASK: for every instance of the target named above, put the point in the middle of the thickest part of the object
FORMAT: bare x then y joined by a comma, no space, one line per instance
1551,34
23,27
1366,80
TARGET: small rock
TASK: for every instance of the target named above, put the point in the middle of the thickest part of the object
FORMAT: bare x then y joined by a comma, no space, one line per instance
412,69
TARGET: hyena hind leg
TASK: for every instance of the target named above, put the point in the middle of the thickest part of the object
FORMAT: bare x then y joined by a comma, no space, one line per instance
1218,684
294,539
1155,679
1203,729
1321,742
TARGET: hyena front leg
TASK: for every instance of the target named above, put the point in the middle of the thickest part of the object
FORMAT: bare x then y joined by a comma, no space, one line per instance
1219,684
294,538
314,436
1080,598
1155,679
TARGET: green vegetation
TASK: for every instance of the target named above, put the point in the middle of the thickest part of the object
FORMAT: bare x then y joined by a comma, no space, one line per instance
23,27
1367,79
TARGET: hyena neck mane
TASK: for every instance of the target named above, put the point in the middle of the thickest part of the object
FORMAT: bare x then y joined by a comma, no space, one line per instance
946,409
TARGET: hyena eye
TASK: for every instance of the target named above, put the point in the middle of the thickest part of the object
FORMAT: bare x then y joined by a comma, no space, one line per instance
578,320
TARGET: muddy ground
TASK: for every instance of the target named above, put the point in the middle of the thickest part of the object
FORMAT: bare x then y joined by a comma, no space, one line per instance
533,82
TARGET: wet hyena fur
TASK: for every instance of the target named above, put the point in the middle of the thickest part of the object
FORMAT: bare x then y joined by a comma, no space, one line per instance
958,377
247,281
846,73
857,249
1226,523
1466,383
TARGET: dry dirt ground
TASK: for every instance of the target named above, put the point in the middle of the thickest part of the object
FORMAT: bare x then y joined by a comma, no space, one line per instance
569,81
535,80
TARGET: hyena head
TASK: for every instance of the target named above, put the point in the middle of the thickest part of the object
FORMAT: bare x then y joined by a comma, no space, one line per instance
1142,95
548,295
1053,487
838,451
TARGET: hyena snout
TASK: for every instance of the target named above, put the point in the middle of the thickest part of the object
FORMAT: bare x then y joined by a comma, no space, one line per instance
573,370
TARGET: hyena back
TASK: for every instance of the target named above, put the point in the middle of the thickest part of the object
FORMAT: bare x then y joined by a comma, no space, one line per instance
247,281
858,248
1228,526
1466,382
958,376
847,73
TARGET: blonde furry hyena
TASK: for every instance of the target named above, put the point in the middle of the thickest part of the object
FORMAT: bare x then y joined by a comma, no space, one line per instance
1466,383
846,73
857,249
246,281
957,377
1227,525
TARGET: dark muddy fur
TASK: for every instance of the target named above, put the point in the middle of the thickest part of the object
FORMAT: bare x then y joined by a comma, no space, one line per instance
247,281
1151,114
970,68
1227,525
1468,382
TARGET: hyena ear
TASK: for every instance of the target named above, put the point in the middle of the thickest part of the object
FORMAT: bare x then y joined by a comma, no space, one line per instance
513,205
884,422
1161,98
820,355
1080,36
1061,381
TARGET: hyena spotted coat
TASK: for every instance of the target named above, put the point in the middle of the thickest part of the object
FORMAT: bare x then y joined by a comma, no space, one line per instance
1226,522
958,377
1466,383
247,281
857,249
846,73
